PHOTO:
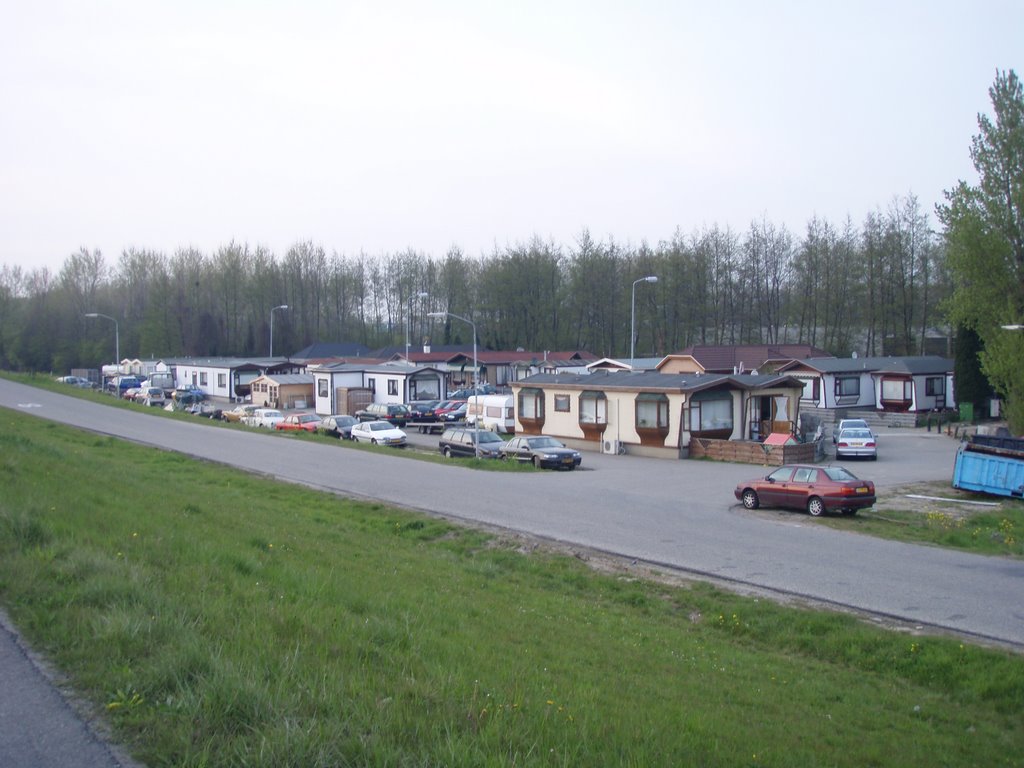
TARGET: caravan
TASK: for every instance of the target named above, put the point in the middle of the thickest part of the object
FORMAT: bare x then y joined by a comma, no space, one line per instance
493,412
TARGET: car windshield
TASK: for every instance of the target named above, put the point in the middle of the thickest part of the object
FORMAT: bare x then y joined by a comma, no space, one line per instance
853,424
489,437
839,473
545,442
272,414
309,417
855,433
379,426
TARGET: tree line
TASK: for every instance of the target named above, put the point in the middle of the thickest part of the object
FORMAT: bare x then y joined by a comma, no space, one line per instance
875,289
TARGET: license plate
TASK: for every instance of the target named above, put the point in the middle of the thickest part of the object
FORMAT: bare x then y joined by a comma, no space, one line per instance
862,489
567,461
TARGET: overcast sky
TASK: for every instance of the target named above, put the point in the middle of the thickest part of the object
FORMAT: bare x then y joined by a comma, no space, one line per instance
382,126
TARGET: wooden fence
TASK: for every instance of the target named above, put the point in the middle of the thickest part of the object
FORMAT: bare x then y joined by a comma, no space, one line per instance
748,452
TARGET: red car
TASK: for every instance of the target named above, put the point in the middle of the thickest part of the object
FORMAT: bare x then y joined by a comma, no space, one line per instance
307,422
802,486
446,407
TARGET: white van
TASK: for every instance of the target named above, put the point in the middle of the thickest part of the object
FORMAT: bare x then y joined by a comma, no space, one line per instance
493,412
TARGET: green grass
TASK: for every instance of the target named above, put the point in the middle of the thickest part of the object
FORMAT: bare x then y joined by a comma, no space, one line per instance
994,527
220,619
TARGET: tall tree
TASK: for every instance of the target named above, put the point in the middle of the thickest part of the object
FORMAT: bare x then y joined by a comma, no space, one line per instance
985,238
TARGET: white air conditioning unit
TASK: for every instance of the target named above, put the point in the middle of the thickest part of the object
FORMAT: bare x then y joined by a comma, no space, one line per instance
613,447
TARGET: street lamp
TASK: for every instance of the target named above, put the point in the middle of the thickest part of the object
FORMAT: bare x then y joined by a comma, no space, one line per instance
272,310
632,315
408,320
476,421
117,337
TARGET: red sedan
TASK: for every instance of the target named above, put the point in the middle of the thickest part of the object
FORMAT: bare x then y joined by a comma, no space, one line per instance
816,489
306,422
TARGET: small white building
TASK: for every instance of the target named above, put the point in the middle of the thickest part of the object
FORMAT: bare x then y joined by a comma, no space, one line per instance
893,384
340,387
226,378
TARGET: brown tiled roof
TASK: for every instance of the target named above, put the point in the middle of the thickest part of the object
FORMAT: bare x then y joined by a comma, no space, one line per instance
726,357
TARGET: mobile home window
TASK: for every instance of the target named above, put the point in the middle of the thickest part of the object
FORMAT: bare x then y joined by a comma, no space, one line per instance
202,379
934,385
709,415
897,389
848,386
562,403
321,386
593,408
222,380
652,411
531,404
811,389
392,387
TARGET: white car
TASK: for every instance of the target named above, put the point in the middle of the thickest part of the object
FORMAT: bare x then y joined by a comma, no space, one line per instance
855,442
378,433
849,424
151,396
267,418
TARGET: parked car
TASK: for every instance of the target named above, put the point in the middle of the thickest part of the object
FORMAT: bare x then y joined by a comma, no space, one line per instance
266,418
188,395
378,433
445,406
463,441
339,426
395,413
423,410
130,393
859,443
816,489
239,412
543,451
151,396
299,422
119,384
848,424
456,414
75,381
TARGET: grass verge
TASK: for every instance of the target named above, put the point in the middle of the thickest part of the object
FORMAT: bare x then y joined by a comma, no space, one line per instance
945,517
222,619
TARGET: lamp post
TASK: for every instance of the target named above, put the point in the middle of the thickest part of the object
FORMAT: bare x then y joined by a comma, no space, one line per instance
476,422
117,337
408,320
272,310
632,315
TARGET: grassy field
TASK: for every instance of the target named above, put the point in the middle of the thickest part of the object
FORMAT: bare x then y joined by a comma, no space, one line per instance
220,619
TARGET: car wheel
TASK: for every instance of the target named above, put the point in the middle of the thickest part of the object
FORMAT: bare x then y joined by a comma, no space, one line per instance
750,500
373,441
815,507
537,462
447,452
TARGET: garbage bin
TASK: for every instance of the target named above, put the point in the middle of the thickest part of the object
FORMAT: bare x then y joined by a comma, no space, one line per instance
966,411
